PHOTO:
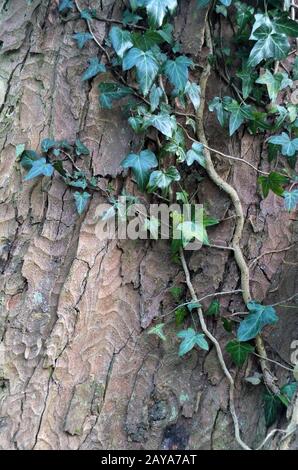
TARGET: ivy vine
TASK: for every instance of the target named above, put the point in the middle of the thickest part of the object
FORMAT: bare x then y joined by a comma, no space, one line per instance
142,66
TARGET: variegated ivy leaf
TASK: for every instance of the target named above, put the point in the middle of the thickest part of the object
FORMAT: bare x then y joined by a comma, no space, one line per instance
95,67
121,40
193,91
274,83
196,154
146,65
291,199
177,72
157,10
141,165
158,331
190,339
288,146
161,179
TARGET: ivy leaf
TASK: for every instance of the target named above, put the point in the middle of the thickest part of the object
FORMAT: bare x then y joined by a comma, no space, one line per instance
193,305
177,72
81,200
196,154
291,199
269,45
121,40
47,144
39,167
289,147
82,39
213,309
193,91
158,331
190,340
157,10
239,351
81,149
252,325
141,164
289,390
244,14
274,182
95,67
272,407
218,105
287,26
20,148
180,314
130,18
238,115
163,122
65,5
28,157
189,231
146,65
162,179
226,3
110,92
274,83
248,77
155,95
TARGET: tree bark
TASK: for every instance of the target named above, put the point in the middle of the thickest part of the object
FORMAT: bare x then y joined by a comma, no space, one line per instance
77,368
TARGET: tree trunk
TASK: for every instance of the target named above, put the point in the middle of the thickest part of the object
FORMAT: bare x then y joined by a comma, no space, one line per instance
77,367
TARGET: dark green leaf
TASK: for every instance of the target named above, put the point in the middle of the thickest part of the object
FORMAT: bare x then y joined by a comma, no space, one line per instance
47,144
81,149
28,157
157,10
248,77
180,315
155,95
164,123
274,181
239,351
213,309
272,407
274,83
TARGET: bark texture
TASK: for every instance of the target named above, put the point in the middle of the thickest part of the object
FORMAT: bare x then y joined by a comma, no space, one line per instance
77,369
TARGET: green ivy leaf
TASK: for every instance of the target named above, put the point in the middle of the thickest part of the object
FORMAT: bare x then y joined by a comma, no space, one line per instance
218,105
155,95
289,391
244,14
157,10
81,149
274,181
146,65
287,26
28,157
82,39
39,167
47,144
81,200
163,122
272,407
177,72
130,18
88,14
193,305
190,340
274,83
180,315
158,331
110,92
95,67
269,45
196,154
213,309
252,325
141,164
239,351
121,40
288,147
193,91
162,179
291,199
248,77
238,114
